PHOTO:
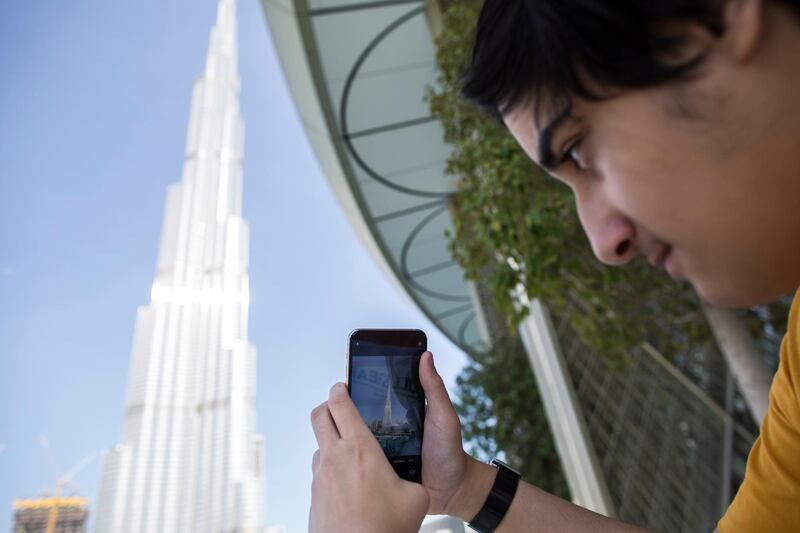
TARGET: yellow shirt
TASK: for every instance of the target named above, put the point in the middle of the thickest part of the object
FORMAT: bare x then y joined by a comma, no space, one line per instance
769,498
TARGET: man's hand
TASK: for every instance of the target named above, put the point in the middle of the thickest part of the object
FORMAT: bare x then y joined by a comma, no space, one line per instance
355,489
457,484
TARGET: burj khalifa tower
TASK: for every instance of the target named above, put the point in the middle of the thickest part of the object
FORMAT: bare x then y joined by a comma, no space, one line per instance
189,459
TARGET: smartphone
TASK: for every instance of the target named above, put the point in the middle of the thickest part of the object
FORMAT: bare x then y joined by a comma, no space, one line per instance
383,380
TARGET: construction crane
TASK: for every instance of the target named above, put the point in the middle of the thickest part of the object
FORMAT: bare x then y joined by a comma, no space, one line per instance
63,482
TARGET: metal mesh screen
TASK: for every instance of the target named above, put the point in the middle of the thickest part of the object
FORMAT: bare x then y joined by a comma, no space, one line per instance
665,447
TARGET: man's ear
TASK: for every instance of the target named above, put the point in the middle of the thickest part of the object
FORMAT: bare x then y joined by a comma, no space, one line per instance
744,28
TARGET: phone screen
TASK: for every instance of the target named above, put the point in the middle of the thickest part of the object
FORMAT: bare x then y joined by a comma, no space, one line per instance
385,387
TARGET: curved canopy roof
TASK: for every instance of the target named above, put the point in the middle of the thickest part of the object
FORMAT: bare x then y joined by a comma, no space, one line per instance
360,71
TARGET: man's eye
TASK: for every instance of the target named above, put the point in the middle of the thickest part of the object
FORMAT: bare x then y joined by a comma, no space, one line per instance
573,154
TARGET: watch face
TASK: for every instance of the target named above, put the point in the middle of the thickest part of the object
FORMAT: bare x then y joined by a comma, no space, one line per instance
500,463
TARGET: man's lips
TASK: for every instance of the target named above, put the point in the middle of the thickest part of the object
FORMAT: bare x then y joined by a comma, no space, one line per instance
672,267
659,256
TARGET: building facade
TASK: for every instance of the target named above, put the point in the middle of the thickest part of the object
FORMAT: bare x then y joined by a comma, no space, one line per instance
190,458
51,515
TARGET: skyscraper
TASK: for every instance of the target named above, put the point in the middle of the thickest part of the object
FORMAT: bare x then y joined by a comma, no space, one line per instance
387,406
190,459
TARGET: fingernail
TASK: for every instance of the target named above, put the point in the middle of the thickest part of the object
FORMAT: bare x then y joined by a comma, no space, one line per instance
433,363
338,388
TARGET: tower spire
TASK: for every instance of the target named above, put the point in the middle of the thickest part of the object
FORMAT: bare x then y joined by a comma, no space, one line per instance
190,458
226,25
387,406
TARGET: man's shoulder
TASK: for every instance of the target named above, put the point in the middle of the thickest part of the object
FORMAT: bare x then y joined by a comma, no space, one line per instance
790,349
767,499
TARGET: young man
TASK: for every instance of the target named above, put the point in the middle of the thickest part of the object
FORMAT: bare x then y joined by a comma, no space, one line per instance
677,126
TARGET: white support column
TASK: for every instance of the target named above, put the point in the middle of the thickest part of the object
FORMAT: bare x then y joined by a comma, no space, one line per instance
578,459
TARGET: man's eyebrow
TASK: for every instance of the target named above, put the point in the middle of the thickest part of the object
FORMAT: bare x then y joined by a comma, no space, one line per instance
547,159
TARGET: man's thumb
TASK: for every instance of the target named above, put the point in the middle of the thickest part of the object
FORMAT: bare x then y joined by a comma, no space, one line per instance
439,403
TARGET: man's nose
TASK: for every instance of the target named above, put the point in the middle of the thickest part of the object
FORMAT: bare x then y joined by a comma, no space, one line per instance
611,234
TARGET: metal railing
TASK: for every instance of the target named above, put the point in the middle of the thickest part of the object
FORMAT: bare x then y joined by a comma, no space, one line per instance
665,447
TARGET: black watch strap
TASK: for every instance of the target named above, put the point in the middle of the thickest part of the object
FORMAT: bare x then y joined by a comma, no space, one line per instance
499,499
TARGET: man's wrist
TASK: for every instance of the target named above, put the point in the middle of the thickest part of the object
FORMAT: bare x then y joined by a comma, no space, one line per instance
473,491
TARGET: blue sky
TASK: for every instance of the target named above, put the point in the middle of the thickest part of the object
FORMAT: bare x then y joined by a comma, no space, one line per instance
94,103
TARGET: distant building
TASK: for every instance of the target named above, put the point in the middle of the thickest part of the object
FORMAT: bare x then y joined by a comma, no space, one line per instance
51,515
190,459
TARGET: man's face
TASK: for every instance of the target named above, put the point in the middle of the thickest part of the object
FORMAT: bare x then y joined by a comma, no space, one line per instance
701,177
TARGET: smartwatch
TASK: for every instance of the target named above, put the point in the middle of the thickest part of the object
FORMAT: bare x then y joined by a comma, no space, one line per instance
499,499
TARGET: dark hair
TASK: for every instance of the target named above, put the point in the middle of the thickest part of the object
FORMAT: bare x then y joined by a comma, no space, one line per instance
553,50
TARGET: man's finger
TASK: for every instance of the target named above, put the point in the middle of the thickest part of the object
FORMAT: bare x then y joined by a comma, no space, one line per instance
324,427
344,412
440,408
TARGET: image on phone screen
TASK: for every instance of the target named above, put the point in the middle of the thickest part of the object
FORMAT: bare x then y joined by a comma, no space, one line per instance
385,388
386,392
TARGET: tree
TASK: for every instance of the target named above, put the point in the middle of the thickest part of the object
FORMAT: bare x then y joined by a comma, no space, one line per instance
502,413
